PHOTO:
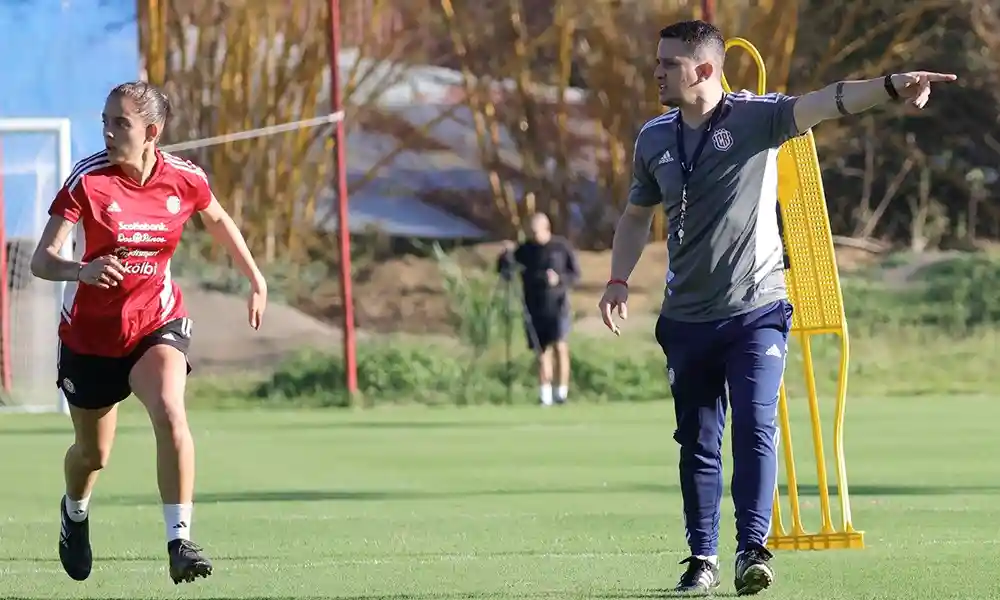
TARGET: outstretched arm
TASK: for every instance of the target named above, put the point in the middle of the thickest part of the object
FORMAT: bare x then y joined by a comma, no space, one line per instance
851,97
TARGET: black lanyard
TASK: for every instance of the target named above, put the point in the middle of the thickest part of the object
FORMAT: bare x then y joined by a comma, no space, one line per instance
688,168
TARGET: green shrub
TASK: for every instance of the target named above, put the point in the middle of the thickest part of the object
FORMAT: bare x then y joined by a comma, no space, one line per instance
409,372
955,296
937,337
482,305
965,290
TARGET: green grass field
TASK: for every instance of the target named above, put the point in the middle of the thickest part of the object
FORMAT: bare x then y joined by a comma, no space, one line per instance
516,502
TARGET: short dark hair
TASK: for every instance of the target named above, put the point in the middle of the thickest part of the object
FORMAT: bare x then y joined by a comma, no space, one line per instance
699,35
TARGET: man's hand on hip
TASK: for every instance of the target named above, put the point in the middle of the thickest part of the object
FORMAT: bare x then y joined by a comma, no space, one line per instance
552,277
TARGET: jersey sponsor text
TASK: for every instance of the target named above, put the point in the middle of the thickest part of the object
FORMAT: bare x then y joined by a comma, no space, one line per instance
140,238
146,269
143,233
143,227
124,253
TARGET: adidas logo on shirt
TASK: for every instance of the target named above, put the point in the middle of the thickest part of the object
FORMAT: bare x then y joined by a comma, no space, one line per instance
666,158
113,207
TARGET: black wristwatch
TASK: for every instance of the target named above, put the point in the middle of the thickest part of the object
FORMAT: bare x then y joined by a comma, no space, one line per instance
889,88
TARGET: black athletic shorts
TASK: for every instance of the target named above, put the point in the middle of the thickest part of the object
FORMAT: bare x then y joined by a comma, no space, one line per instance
95,382
544,329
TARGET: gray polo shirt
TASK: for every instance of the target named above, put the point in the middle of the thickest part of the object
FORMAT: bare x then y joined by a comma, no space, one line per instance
729,261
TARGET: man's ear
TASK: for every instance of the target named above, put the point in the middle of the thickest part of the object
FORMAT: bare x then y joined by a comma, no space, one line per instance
705,71
152,132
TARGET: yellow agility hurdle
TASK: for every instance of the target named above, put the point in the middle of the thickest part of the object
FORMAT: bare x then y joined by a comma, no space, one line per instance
814,290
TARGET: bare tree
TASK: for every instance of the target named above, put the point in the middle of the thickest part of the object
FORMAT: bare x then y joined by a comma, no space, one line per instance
233,67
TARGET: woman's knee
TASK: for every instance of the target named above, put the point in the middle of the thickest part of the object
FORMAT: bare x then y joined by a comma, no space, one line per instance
158,380
94,436
167,413
92,456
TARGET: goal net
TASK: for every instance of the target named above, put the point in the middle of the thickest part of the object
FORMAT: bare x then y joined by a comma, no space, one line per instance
34,161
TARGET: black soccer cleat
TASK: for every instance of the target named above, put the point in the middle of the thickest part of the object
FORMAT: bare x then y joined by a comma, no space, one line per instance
186,561
753,573
701,577
75,553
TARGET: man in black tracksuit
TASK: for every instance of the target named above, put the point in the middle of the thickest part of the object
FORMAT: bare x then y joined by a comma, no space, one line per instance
548,269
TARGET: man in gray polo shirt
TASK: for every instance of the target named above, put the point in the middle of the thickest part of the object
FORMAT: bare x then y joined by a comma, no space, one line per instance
723,327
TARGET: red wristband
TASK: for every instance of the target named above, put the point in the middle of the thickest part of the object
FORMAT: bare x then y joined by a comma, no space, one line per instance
621,282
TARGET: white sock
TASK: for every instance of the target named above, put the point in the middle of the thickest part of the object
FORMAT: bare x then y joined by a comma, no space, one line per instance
177,518
77,509
714,559
562,392
545,393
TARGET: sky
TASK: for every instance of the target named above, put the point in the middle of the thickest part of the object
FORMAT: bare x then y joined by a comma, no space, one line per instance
58,58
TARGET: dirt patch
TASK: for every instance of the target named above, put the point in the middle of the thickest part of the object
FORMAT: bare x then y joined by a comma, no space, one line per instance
854,259
902,275
406,294
223,340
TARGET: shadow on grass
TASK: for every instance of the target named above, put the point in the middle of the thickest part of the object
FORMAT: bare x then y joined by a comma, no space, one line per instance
372,495
240,597
65,430
293,495
649,594
136,559
568,595
854,490
397,425
404,495
900,490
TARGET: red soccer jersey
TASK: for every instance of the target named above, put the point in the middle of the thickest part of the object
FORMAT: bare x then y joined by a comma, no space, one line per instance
141,225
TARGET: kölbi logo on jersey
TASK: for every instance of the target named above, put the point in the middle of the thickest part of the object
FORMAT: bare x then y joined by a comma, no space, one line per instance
144,268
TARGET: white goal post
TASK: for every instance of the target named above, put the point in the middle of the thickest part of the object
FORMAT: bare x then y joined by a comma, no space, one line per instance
35,160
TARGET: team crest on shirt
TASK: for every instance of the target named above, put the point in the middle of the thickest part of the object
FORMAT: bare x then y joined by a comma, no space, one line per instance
173,204
722,139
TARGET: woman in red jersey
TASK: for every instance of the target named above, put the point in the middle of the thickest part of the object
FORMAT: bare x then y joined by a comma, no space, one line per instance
124,329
